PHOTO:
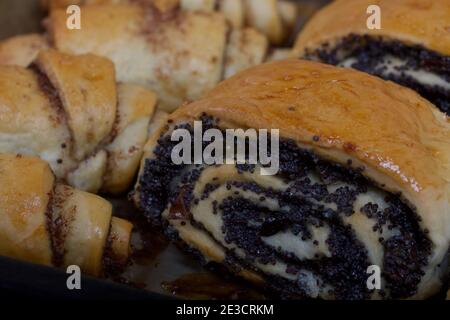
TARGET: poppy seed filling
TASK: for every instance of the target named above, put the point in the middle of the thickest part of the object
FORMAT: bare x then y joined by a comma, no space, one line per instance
425,71
296,228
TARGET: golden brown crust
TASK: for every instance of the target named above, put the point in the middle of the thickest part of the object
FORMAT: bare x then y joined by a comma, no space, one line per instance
273,18
87,89
234,12
83,221
387,132
246,48
136,106
412,21
27,184
120,241
178,54
72,114
22,50
394,121
30,124
401,139
56,4
53,4
48,223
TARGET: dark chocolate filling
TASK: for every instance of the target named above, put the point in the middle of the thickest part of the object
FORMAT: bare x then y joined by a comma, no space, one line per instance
163,183
368,51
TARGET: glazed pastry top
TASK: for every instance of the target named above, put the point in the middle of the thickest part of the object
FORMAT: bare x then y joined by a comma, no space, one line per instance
421,22
400,139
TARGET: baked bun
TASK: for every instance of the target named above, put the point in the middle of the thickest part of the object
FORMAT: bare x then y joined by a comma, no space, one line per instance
69,111
48,223
22,50
364,171
412,47
274,18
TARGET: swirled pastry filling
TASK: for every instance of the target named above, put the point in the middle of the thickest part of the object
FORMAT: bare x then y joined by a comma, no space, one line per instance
312,230
416,67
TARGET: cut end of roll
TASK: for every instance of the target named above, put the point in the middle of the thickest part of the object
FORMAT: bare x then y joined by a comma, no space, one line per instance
300,232
80,227
45,222
410,65
118,246
86,234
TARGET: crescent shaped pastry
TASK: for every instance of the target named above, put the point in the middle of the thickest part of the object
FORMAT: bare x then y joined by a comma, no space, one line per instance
274,18
179,54
22,50
412,46
363,183
45,222
69,111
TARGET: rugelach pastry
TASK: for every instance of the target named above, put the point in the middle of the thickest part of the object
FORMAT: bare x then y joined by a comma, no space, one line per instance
22,50
178,54
412,47
274,18
71,112
363,182
49,223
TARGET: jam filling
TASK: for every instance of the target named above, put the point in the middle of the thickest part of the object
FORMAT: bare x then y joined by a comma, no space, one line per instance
425,71
315,210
